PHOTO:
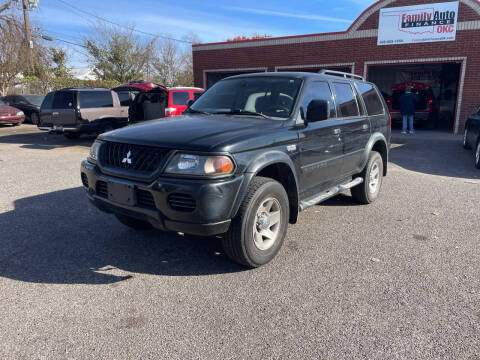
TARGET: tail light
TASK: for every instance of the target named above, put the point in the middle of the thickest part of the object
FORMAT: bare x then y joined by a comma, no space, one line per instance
170,112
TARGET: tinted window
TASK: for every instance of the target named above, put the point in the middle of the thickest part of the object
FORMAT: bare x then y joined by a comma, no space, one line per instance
346,102
318,91
180,98
63,100
47,102
370,98
196,95
125,98
95,99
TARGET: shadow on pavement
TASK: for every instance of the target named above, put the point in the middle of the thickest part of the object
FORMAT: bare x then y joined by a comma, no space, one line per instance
42,140
61,238
434,153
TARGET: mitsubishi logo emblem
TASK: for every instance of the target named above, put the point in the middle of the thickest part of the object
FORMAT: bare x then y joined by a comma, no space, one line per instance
127,159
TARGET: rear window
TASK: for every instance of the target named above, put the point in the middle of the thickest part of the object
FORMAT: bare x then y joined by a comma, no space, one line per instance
47,102
63,100
346,102
125,98
370,98
95,99
180,98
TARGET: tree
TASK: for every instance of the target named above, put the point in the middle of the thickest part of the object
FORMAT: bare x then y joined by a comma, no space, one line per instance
12,52
172,65
118,55
59,59
255,36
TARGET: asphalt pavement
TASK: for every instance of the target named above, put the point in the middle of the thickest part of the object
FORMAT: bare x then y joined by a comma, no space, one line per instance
398,279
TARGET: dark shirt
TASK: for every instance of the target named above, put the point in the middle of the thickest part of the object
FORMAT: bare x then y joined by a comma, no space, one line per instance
407,103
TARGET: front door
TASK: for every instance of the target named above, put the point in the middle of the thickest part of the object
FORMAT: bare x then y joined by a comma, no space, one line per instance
320,144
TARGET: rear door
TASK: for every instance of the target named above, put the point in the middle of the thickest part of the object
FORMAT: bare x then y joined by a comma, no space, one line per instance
320,144
97,104
354,125
64,108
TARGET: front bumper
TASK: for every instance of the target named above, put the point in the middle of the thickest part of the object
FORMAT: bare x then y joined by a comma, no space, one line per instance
210,215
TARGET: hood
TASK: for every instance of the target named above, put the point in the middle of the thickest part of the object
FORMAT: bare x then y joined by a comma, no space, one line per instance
196,132
6,110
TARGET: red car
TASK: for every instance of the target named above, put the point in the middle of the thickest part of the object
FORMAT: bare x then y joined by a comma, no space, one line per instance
151,101
179,97
10,115
425,108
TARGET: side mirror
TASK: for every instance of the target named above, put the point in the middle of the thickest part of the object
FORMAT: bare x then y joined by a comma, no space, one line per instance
190,103
318,110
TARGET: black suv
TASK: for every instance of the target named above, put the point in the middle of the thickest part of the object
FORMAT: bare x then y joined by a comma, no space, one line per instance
246,157
74,111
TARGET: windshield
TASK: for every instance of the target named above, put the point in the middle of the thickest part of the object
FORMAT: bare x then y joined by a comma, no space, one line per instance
268,96
2,103
34,99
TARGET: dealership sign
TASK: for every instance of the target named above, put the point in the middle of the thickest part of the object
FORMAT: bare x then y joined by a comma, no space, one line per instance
418,24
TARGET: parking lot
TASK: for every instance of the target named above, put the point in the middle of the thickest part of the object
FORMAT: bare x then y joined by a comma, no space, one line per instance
396,279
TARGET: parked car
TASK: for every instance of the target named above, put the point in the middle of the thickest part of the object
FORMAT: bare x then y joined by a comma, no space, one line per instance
29,104
425,107
179,98
154,101
75,111
245,158
471,136
10,115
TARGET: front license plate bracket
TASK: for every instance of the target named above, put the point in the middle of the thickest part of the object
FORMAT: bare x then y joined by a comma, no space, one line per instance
121,193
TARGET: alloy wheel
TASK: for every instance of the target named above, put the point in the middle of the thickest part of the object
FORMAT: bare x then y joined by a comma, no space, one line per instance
266,228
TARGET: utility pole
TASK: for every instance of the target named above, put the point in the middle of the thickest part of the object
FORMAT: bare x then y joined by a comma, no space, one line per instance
28,35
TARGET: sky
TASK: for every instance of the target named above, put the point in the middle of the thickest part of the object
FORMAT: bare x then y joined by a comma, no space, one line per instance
208,20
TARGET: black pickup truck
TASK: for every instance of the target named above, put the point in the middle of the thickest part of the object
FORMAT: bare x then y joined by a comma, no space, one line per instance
250,154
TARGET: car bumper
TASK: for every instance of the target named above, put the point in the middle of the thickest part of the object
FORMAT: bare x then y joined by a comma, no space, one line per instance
12,119
211,202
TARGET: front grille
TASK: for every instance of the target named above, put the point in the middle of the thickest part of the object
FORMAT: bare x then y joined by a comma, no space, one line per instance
143,159
85,180
102,189
145,198
181,202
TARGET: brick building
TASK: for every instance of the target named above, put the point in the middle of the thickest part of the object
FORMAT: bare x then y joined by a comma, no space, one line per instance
451,68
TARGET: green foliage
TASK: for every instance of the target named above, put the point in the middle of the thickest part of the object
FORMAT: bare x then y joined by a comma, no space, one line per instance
59,58
117,55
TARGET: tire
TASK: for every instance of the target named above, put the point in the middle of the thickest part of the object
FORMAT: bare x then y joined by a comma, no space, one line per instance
465,143
477,155
35,119
133,222
253,238
367,192
71,135
105,127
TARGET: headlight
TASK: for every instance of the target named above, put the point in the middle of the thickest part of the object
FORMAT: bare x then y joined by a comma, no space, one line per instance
94,152
20,113
189,164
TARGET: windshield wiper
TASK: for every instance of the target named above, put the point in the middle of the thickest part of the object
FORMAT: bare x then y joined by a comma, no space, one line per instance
193,111
242,112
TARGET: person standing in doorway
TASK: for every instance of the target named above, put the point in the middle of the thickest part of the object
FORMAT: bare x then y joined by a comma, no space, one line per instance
408,100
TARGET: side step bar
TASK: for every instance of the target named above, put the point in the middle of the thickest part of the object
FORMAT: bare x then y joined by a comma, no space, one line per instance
329,193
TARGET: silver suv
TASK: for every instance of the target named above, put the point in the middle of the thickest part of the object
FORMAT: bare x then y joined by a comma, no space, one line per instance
74,111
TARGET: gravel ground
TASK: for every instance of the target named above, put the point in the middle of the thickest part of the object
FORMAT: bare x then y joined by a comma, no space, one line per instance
399,279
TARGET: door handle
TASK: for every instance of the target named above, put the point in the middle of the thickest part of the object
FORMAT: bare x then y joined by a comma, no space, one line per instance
364,127
337,131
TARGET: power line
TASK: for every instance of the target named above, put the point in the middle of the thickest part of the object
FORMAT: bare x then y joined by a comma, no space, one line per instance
123,26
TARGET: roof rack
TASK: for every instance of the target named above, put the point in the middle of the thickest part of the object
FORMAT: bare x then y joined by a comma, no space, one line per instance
342,74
